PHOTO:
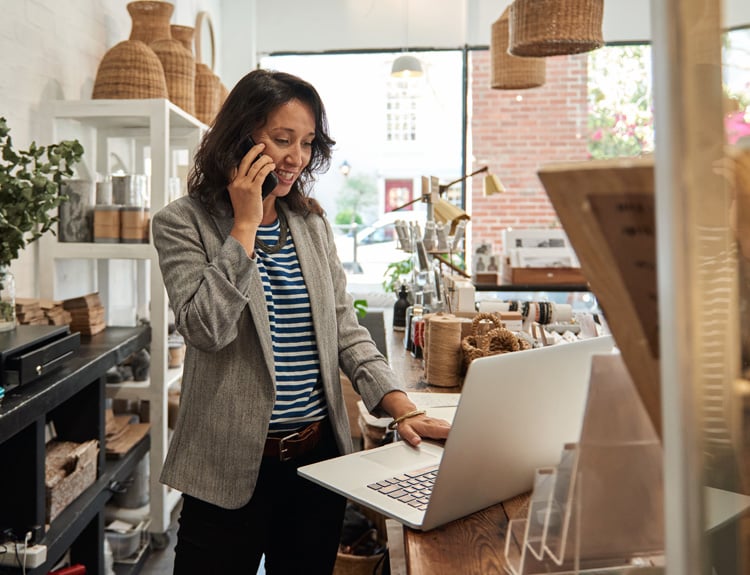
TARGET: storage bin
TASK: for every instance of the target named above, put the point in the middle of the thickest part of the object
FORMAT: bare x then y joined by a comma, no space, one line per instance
134,492
126,539
69,469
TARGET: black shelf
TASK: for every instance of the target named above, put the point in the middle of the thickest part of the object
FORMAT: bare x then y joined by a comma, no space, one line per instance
76,516
73,397
533,287
96,355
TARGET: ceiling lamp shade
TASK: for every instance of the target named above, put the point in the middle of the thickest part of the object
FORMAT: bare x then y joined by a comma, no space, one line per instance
406,66
540,28
512,72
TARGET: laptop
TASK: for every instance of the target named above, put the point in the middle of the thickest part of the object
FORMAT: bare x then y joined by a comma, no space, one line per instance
515,413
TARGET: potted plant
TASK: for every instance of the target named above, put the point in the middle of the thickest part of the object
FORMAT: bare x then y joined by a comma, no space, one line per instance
29,195
396,274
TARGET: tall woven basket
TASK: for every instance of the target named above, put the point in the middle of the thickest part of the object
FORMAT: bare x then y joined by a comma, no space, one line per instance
151,25
512,72
130,70
540,28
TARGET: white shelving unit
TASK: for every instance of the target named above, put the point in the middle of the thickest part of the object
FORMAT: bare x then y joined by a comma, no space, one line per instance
147,136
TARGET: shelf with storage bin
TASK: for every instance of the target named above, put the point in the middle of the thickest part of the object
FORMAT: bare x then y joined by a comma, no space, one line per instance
71,398
152,137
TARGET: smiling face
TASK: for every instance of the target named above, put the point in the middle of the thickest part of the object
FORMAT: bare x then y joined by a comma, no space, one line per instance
288,135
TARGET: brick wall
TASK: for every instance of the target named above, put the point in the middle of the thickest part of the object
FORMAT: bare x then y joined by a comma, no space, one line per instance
516,131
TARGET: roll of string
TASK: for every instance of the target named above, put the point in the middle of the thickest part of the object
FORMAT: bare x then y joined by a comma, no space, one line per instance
443,350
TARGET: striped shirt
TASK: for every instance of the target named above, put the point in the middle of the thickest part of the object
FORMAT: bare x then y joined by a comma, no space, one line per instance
299,392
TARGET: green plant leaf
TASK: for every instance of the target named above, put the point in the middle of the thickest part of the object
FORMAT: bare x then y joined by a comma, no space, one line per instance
360,306
30,189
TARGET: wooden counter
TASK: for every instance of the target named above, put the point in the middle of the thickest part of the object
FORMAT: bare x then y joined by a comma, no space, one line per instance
473,545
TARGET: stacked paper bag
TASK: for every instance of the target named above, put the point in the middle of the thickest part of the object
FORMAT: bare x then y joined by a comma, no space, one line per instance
34,311
87,313
55,312
28,312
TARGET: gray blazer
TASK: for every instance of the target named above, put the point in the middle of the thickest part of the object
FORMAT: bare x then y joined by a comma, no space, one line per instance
228,387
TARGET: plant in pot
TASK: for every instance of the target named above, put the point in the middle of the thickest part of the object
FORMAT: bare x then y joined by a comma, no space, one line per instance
29,195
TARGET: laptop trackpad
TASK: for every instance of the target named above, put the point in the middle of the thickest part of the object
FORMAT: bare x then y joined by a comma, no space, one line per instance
401,455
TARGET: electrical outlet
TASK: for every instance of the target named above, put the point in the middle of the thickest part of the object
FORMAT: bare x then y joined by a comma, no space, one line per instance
14,555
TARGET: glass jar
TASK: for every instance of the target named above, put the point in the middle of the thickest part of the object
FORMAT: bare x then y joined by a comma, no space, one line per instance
7,299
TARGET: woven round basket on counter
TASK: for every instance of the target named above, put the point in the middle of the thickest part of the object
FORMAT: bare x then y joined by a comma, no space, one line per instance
512,72
540,28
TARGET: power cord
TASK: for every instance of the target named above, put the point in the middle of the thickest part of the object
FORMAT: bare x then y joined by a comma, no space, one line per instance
25,547
10,539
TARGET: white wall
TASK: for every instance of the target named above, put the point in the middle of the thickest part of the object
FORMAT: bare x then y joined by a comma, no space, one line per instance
50,49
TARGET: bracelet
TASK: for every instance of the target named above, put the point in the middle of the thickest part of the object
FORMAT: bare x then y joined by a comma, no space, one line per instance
393,424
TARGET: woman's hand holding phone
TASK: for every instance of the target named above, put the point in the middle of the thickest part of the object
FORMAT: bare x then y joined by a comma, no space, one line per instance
271,181
246,191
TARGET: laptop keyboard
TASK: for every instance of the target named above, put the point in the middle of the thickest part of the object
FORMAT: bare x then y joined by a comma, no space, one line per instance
412,487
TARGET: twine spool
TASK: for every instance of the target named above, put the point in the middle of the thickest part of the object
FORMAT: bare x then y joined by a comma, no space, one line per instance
443,350
562,313
512,72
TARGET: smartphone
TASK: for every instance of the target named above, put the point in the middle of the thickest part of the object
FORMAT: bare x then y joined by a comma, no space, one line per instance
271,181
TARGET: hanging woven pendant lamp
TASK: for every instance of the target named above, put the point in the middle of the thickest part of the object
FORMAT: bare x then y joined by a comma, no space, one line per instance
511,72
540,28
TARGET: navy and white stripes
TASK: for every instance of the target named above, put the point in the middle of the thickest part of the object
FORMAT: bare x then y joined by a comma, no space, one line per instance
299,393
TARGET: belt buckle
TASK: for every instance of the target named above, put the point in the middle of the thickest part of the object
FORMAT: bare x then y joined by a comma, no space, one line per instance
283,450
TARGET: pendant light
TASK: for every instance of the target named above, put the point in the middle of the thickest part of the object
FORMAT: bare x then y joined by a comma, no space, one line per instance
406,65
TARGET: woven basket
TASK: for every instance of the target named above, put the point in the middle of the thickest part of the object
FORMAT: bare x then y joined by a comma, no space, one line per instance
150,20
179,72
492,340
207,93
358,564
130,70
511,72
540,28
184,35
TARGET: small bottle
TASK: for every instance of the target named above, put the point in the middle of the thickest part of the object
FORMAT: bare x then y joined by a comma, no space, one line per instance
399,309
417,330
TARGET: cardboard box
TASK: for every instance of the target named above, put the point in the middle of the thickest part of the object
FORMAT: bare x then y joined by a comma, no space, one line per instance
69,469
546,276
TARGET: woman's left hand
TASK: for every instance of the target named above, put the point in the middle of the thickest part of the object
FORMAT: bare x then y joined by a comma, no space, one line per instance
413,429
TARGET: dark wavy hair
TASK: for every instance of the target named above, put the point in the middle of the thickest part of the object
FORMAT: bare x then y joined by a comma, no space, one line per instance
245,110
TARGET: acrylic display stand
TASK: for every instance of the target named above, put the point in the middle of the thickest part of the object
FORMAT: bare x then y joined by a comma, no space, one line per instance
601,508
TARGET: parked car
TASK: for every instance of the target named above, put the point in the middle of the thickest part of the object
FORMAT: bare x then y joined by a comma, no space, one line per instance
376,246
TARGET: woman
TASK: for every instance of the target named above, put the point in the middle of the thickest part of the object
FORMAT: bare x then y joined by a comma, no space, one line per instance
260,297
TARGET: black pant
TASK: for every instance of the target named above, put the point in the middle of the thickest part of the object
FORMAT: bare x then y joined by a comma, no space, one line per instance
294,522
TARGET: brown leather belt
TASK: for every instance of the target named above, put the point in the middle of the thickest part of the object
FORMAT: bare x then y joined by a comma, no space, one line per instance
294,444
